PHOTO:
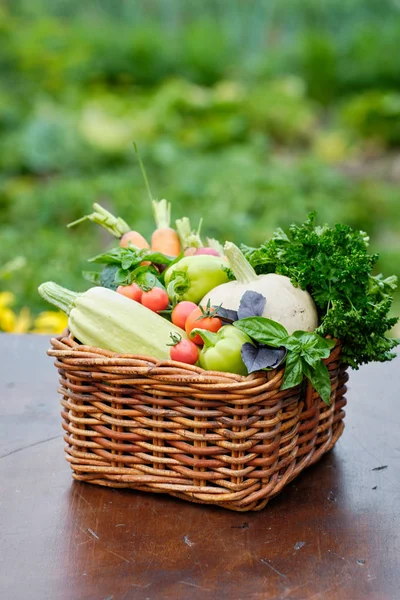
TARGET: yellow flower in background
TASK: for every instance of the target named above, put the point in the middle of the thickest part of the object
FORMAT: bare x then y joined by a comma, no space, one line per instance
7,316
7,319
22,321
10,322
47,322
50,322
6,298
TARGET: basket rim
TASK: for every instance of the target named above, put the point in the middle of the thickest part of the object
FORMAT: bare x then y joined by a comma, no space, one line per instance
66,348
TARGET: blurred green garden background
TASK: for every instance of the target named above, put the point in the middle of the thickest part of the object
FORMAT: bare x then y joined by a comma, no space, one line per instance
247,113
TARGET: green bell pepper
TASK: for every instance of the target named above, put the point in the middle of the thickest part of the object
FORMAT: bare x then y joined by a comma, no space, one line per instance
192,277
222,351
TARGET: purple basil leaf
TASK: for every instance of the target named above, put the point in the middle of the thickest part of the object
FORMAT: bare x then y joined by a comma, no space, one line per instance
262,357
251,305
225,314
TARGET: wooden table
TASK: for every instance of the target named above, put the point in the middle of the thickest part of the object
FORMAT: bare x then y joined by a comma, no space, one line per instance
334,533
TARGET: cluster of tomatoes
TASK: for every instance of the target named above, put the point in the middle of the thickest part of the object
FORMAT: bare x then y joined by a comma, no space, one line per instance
186,315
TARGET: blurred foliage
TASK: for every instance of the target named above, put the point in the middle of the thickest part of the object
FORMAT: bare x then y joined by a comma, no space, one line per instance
245,114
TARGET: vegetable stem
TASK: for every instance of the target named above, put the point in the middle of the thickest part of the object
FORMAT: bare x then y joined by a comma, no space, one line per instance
187,237
146,181
58,295
162,213
240,267
103,217
209,338
213,243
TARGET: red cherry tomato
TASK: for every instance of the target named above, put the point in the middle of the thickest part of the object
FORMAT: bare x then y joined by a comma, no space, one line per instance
132,291
201,320
185,351
181,312
156,299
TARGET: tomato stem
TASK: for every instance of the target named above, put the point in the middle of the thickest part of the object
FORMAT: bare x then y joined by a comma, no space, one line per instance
176,338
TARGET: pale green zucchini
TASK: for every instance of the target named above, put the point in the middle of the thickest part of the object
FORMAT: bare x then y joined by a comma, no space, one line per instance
105,319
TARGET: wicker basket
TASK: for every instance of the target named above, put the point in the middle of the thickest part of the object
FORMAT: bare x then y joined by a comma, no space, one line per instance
207,437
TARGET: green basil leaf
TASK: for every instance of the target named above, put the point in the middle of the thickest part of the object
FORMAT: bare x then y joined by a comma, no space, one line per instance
146,280
331,343
112,257
292,343
312,340
128,260
145,276
122,277
293,371
263,330
310,358
157,257
319,378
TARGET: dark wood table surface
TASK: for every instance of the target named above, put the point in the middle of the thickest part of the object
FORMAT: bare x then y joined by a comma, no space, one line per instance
334,533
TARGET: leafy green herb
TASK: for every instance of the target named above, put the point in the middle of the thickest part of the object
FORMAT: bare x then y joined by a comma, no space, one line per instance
319,379
252,304
124,266
334,266
126,257
257,357
293,371
263,330
104,278
305,353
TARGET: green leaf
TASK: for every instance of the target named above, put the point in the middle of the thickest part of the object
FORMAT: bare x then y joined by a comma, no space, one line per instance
263,330
333,264
311,345
310,339
157,258
122,277
292,343
112,257
331,343
145,278
128,260
318,376
92,276
293,371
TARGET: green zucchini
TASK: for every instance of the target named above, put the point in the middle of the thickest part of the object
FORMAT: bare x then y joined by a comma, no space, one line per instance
105,319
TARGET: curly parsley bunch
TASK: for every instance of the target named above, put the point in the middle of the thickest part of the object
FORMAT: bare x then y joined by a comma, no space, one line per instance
334,266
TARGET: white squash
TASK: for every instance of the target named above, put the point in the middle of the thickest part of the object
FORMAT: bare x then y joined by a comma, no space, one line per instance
105,319
290,306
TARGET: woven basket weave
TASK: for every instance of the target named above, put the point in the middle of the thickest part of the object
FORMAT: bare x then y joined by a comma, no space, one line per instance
207,437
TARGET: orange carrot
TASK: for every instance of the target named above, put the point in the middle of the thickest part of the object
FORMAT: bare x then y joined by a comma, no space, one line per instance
135,238
164,238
